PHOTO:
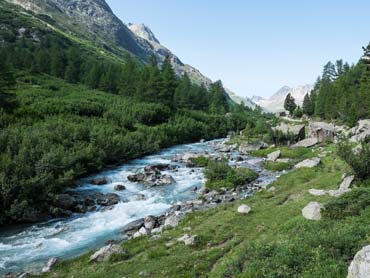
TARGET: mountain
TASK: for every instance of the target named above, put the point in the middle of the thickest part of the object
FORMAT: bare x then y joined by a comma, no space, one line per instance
238,99
276,102
93,20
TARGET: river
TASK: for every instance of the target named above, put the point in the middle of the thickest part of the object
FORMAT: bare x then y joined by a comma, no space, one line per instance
28,248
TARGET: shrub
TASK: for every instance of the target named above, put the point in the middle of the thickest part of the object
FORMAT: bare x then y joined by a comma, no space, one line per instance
200,161
349,204
359,161
221,175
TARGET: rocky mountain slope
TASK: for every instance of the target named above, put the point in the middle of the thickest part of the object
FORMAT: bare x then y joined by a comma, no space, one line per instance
94,20
276,102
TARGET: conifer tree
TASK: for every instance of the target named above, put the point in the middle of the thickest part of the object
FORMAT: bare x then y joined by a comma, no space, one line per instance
307,106
290,104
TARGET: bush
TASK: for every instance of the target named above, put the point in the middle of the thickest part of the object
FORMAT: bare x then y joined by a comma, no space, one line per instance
221,175
200,161
359,161
349,204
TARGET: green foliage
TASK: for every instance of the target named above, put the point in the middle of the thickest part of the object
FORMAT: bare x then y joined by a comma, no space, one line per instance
298,112
348,205
359,161
308,106
7,84
200,161
220,175
277,166
289,104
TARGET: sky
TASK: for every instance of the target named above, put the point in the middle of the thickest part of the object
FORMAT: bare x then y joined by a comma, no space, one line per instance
255,47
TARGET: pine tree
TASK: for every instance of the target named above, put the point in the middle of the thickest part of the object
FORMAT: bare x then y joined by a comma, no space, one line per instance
129,77
182,97
290,104
307,106
169,82
219,103
7,83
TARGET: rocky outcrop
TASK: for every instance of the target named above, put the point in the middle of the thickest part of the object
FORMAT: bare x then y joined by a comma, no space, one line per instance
312,211
246,148
361,131
291,130
274,155
152,176
308,163
360,266
104,253
306,143
322,131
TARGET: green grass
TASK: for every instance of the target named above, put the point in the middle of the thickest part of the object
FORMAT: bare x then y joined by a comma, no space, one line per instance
274,240
297,153
277,166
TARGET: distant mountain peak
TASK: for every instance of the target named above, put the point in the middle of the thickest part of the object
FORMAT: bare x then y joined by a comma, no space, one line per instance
143,31
276,102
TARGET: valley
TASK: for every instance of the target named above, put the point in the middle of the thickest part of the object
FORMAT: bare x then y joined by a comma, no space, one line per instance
118,159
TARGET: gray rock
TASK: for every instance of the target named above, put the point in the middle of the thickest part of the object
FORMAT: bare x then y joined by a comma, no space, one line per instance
308,163
312,211
274,155
317,192
189,240
150,222
344,187
104,253
172,221
100,181
52,262
109,199
66,201
360,266
298,131
246,147
157,167
133,226
136,178
244,209
306,143
119,187
322,131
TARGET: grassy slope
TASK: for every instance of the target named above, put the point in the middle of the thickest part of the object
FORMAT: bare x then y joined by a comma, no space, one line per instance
273,241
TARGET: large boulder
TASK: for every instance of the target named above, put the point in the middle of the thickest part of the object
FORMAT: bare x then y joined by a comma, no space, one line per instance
157,167
312,211
133,226
297,131
274,155
108,200
360,266
322,131
189,240
308,163
140,177
104,253
361,131
246,147
306,143
65,201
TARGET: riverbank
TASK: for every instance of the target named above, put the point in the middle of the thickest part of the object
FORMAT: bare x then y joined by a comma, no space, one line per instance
65,238
267,242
